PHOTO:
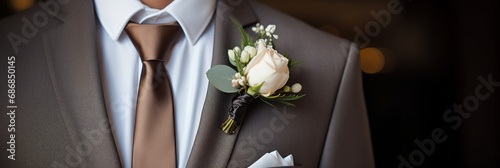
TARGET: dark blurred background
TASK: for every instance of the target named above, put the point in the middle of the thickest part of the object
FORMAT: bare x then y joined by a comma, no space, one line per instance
416,65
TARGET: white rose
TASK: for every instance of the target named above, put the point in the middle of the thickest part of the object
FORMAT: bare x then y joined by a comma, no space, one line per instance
269,67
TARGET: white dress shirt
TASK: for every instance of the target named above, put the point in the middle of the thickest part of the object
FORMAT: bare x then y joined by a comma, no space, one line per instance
121,67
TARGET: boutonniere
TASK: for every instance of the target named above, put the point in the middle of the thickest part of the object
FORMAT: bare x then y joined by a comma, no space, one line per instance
261,73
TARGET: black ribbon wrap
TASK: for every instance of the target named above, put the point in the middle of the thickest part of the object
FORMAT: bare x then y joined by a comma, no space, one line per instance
237,112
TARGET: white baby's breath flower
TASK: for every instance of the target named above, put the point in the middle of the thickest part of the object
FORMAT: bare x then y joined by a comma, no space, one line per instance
270,29
296,88
238,80
251,50
237,75
242,81
237,50
234,83
275,36
260,45
255,29
269,34
287,89
270,46
245,57
230,53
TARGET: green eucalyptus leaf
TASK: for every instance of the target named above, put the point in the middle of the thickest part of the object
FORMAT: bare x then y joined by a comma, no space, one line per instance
220,77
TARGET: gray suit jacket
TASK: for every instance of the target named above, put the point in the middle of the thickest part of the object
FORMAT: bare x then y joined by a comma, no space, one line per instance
61,119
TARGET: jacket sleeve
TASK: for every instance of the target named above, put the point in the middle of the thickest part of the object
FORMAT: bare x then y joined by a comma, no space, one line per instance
348,142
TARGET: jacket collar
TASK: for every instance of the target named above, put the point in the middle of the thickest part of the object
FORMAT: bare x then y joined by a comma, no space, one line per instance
69,46
212,147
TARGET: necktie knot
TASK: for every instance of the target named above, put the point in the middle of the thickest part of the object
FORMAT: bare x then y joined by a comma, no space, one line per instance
153,41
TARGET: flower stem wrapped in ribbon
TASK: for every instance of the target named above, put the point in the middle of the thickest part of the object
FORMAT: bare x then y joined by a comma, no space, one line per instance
261,72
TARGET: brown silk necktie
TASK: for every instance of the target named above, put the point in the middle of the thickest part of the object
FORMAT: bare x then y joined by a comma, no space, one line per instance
154,135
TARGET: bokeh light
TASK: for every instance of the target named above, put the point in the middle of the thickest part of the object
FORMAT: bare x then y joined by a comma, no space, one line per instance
20,5
372,60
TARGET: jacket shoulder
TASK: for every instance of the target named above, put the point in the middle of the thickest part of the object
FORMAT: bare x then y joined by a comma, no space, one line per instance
298,34
24,28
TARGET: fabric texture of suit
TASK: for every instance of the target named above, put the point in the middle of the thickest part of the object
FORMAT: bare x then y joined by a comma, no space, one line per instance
61,119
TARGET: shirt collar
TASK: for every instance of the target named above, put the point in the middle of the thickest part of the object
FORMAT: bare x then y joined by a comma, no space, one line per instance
193,15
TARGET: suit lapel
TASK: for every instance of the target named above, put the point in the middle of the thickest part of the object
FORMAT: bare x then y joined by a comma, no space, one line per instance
70,49
213,148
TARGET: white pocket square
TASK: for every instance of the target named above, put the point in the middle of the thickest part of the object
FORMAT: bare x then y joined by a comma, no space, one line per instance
273,159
